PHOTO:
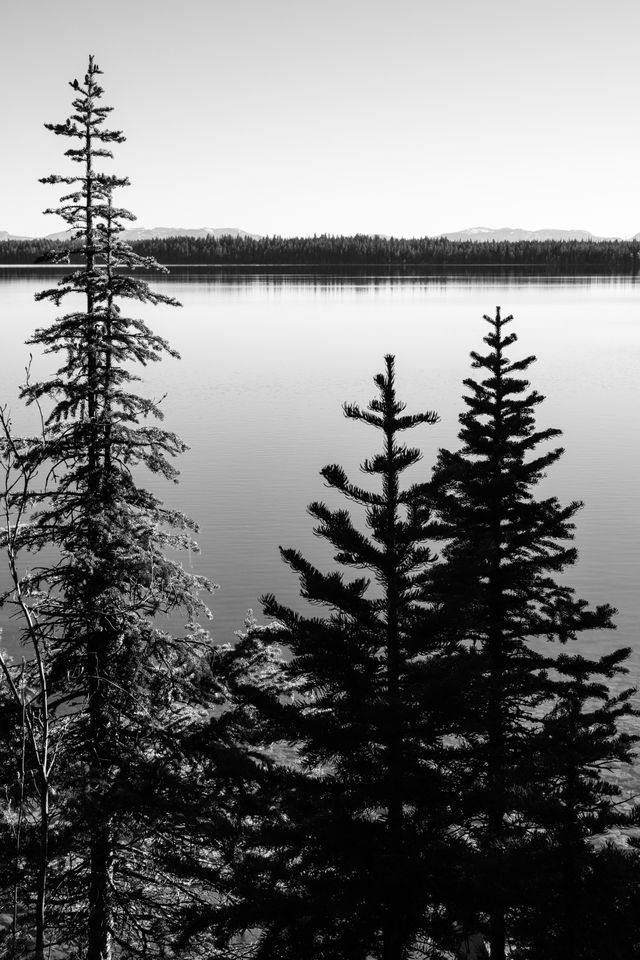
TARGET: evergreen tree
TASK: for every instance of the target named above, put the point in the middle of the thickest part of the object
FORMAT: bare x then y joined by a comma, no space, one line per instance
580,740
347,866
497,589
122,676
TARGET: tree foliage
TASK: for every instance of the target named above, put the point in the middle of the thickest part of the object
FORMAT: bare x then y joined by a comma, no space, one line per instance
114,667
501,594
348,866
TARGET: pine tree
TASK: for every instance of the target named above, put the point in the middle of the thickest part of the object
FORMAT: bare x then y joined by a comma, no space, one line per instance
497,589
580,740
350,860
111,662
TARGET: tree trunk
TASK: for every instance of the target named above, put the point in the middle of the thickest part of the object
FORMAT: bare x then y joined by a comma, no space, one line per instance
100,894
497,926
43,866
100,921
495,643
570,879
393,930
497,930
18,852
100,826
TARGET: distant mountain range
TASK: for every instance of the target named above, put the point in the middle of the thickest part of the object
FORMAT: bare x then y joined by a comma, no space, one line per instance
514,234
11,236
155,233
150,233
475,234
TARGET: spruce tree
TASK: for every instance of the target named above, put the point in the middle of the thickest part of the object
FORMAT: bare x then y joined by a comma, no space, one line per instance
347,869
498,590
580,741
112,663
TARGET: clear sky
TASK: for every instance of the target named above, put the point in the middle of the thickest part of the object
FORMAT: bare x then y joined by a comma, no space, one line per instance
403,117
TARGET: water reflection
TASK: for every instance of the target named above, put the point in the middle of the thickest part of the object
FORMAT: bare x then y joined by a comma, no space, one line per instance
269,357
239,278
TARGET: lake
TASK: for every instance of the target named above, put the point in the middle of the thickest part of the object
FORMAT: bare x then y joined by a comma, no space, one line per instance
269,358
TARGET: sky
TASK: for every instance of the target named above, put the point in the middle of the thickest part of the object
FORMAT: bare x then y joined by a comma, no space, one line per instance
295,117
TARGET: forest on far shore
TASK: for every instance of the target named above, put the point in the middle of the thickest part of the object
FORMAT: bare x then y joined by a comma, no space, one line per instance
610,256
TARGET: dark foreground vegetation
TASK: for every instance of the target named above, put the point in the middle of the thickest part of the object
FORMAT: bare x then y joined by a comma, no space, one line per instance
571,256
418,767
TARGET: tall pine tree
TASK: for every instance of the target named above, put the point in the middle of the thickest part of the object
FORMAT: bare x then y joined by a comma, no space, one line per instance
112,663
498,589
348,868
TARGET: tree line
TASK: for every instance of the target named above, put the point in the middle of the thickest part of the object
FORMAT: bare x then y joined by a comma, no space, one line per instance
326,250
418,766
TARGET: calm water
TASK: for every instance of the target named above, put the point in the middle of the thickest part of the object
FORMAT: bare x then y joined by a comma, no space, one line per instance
267,361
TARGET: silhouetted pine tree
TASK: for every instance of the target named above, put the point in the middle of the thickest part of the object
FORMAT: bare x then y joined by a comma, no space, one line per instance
611,923
497,589
580,740
124,678
347,868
